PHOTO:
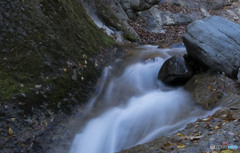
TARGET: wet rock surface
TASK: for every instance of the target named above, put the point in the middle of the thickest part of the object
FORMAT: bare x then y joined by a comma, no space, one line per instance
175,71
214,42
220,129
211,90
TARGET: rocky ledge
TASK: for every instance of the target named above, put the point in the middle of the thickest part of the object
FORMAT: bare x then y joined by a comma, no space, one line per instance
211,43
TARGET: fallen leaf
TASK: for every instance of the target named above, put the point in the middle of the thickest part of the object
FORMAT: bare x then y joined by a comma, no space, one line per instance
45,122
84,56
195,138
226,151
196,81
205,119
21,85
168,144
163,148
10,131
196,126
217,127
13,119
38,86
180,135
229,117
209,87
181,146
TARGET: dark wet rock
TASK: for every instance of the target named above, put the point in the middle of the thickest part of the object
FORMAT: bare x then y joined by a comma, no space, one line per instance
210,90
214,42
175,71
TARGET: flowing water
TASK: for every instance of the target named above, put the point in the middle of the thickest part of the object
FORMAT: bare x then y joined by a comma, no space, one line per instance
136,106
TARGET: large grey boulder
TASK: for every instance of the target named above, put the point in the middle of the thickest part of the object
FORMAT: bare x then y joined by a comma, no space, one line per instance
215,42
175,71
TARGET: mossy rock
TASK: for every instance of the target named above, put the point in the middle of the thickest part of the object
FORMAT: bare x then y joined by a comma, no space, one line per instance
48,53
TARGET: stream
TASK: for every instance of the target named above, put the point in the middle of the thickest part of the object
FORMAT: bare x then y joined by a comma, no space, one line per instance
133,106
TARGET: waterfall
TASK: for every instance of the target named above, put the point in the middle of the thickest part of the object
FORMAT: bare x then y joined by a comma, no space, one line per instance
138,107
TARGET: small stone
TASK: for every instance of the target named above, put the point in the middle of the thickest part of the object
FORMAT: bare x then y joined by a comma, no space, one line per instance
38,86
10,131
21,85
13,119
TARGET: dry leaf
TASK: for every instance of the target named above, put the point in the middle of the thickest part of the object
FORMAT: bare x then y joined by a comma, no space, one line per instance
45,122
195,138
10,131
38,86
217,127
226,151
168,144
13,119
180,135
196,81
229,117
209,87
205,119
181,146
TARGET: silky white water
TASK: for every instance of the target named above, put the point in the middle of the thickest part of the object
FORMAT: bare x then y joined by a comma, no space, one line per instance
137,106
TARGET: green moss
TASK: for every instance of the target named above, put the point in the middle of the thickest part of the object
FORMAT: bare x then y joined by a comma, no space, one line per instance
129,37
8,86
46,37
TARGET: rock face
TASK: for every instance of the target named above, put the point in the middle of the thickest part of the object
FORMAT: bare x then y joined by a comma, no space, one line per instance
214,42
131,6
210,90
175,71
213,4
156,19
111,14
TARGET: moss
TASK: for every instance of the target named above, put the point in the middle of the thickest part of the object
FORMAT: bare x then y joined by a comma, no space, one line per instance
129,37
48,43
8,86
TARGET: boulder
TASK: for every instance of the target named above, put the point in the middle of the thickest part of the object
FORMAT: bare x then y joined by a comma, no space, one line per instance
211,89
214,41
156,19
175,71
132,6
206,4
